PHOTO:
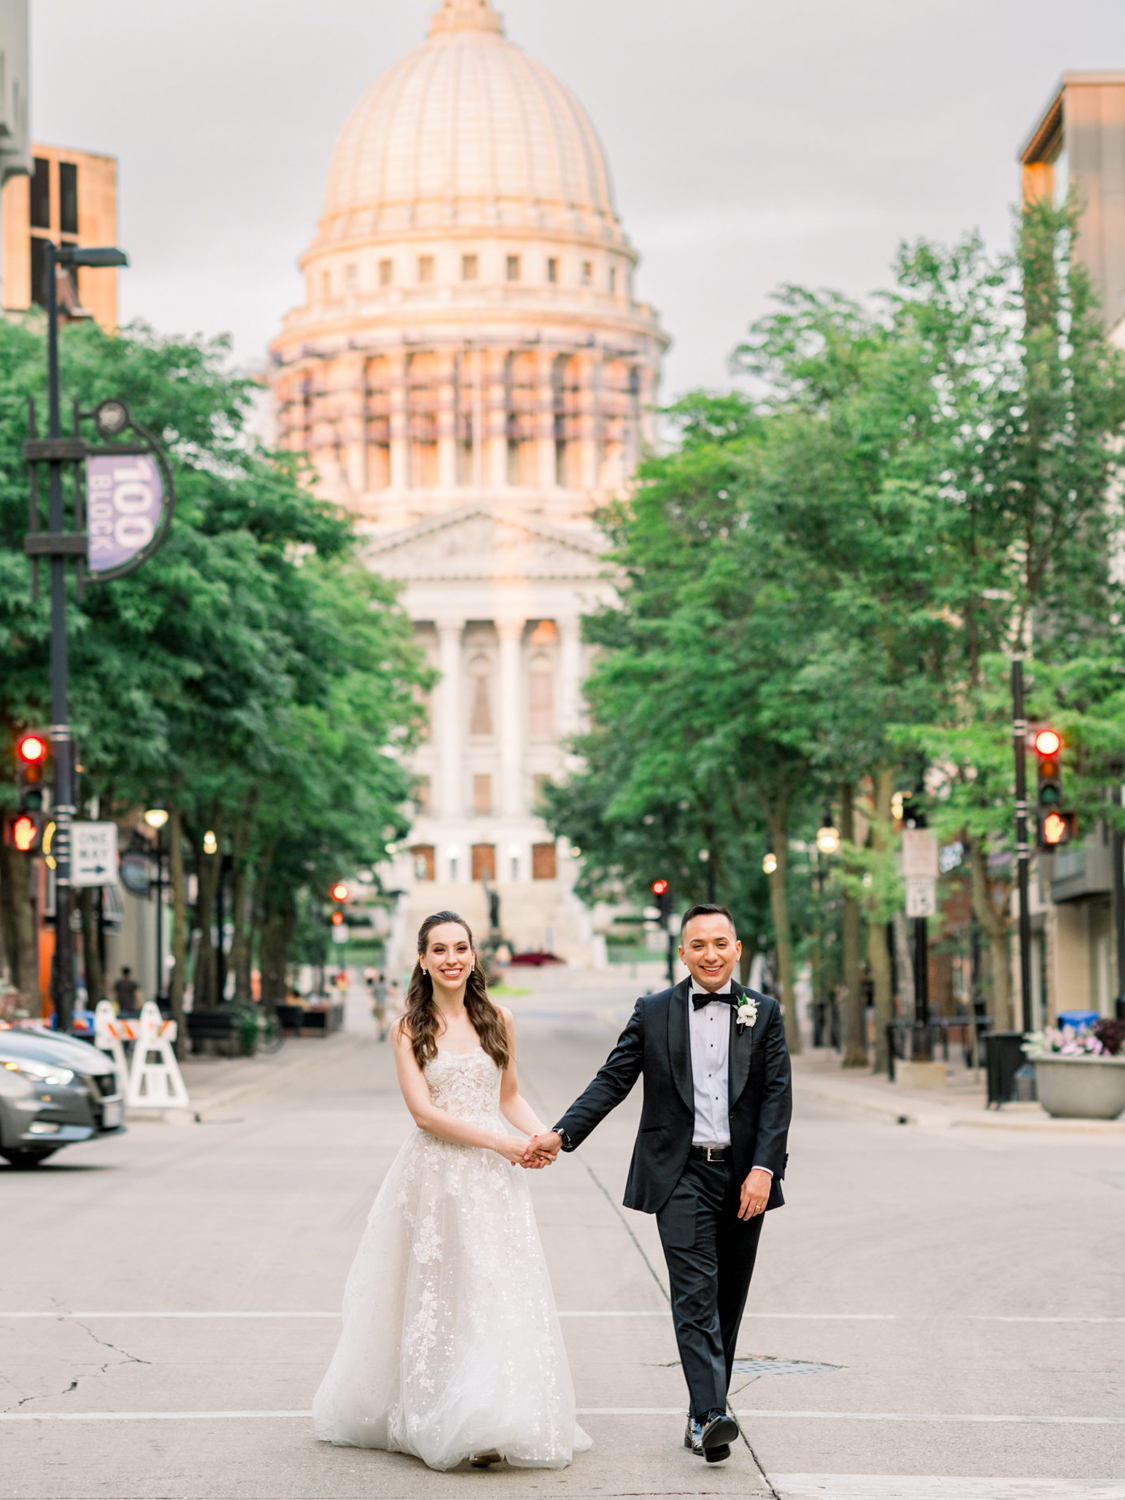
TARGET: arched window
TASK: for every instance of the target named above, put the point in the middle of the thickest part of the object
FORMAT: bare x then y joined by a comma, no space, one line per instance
541,697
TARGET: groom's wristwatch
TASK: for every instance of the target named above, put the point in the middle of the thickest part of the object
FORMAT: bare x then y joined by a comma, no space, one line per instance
567,1145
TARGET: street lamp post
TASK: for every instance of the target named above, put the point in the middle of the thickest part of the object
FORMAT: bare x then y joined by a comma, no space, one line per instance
60,547
157,818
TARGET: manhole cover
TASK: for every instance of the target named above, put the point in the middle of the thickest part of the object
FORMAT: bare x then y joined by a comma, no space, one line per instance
767,1366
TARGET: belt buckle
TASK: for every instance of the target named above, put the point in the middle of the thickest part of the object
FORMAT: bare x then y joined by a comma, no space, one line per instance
718,1149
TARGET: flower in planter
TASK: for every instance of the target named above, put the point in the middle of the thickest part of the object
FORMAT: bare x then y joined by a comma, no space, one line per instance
1065,1042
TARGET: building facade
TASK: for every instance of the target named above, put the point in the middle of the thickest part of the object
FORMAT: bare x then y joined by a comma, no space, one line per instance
472,374
70,197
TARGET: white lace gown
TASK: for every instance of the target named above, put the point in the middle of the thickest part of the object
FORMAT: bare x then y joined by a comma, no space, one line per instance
451,1344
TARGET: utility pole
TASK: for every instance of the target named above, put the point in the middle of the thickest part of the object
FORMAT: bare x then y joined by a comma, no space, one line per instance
1023,848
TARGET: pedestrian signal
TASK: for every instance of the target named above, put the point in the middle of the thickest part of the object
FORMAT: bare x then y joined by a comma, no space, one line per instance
1056,829
22,833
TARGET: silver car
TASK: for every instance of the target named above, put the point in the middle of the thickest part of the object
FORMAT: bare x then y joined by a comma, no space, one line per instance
54,1091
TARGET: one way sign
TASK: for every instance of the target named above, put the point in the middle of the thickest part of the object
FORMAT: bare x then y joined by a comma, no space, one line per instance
93,854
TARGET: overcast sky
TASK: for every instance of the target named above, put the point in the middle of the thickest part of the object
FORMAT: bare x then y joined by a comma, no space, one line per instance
751,141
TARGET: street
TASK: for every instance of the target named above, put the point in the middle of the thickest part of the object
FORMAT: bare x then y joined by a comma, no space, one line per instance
934,1311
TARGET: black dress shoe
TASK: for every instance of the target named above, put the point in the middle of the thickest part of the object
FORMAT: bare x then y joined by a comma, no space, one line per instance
719,1431
693,1437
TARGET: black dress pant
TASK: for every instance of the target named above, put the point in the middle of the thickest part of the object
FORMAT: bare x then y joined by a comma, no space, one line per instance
710,1253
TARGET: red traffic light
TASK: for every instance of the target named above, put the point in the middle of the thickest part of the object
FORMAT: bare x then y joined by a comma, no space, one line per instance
24,833
339,891
337,918
1047,742
659,887
32,749
1056,829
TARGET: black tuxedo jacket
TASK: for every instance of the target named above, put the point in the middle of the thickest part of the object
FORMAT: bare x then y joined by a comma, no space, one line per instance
656,1045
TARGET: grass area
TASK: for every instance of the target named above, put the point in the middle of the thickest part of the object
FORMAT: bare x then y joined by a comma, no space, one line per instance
508,990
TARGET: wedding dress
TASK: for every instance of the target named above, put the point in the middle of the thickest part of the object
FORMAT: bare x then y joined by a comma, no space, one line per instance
451,1344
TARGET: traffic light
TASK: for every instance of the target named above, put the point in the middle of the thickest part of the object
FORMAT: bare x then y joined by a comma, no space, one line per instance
32,753
1054,827
339,891
22,833
337,919
662,890
340,894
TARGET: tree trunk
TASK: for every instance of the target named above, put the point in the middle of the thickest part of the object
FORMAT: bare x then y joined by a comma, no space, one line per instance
241,927
91,946
878,956
18,916
277,930
904,962
995,925
777,817
180,926
209,870
855,1016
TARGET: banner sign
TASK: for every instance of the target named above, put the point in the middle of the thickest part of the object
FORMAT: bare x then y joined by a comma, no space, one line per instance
125,510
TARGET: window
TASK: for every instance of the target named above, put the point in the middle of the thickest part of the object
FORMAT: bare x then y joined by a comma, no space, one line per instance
470,267
41,194
351,276
425,269
480,709
424,795
423,856
38,271
513,863
587,273
482,796
68,197
543,865
553,269
386,272
484,862
613,278
513,268
539,785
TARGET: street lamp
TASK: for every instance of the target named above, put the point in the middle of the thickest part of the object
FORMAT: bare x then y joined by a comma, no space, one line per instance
65,792
828,835
769,862
157,819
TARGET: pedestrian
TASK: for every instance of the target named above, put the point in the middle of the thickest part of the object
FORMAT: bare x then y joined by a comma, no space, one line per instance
379,1004
451,1347
710,1153
126,993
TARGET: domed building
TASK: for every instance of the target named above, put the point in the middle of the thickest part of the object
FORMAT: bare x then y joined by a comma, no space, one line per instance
472,374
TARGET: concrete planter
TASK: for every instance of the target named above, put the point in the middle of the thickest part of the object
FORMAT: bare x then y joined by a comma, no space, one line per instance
1080,1088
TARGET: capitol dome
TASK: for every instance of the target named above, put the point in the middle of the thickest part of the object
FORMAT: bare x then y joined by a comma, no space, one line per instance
468,132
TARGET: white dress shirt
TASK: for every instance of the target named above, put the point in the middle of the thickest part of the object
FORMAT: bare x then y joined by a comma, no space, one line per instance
709,1033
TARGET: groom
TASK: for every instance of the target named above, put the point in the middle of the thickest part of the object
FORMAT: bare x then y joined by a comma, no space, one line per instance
710,1153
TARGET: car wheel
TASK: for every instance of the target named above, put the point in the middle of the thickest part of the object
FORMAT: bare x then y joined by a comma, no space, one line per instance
26,1158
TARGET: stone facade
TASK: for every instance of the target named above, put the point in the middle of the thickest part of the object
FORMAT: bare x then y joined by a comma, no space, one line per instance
472,374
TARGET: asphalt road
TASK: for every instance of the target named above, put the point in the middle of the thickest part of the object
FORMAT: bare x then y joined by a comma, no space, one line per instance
934,1312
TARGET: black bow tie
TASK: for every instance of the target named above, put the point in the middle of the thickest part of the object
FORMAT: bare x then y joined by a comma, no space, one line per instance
700,1000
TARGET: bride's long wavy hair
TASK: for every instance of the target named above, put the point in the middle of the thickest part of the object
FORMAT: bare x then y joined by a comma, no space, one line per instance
421,1016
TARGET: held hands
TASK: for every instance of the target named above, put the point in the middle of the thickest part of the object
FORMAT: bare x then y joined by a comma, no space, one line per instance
755,1194
521,1151
542,1149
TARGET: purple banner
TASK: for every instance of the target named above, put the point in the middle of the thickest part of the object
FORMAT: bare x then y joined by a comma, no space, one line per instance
124,508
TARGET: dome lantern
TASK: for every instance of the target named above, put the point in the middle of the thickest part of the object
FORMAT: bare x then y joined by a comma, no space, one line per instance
465,15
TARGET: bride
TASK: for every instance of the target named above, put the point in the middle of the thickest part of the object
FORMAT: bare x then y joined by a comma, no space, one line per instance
451,1346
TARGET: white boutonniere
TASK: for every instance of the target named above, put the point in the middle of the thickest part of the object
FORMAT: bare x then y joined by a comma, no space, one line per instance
746,1012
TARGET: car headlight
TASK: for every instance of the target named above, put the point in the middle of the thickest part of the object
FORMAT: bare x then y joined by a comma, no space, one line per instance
40,1072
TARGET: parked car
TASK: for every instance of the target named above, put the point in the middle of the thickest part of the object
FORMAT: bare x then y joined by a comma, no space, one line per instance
54,1092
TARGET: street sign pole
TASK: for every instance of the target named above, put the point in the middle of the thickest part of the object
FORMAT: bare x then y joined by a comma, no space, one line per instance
1023,848
64,986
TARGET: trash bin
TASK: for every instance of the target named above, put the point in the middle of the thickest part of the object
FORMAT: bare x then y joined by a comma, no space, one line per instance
1003,1060
1076,1019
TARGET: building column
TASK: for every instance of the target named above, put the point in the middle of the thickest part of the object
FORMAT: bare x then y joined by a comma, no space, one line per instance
447,423
570,676
497,419
451,739
511,717
400,448
590,397
545,420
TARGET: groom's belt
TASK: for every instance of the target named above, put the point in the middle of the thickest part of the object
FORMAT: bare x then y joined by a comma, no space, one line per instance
711,1153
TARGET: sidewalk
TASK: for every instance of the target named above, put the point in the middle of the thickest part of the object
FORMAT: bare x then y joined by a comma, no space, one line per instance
960,1105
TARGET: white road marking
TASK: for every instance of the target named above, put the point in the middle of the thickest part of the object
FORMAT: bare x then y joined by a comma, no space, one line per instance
587,1411
999,1318
937,1487
655,1312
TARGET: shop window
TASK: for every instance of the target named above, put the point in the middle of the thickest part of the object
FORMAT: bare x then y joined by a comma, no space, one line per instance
543,863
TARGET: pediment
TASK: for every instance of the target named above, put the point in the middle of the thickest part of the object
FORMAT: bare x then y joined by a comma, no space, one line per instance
477,542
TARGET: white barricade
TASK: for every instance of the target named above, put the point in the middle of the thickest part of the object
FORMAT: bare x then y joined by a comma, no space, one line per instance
155,1081
110,1035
